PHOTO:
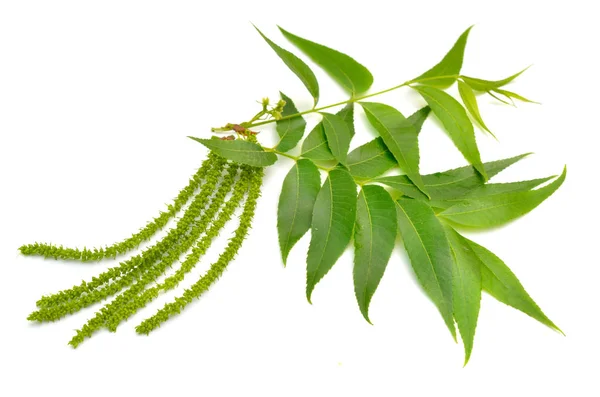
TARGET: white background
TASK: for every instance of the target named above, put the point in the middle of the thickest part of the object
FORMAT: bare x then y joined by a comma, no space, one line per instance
96,101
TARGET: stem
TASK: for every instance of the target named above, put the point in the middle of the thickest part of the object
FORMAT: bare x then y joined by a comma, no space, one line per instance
353,99
295,158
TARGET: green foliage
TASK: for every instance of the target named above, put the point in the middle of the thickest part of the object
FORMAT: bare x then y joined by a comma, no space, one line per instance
451,184
400,136
290,130
347,114
470,101
297,66
424,210
338,136
373,158
514,95
449,67
374,237
466,288
316,147
429,252
500,282
348,73
495,210
298,194
456,122
240,151
370,160
487,85
490,189
333,218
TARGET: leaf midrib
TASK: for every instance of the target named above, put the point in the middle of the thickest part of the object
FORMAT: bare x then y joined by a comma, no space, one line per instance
325,58
426,253
485,208
287,241
395,143
328,233
370,250
337,140
462,284
447,112
382,153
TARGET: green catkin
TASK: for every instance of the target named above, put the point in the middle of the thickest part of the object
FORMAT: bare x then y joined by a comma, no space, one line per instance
217,268
151,254
152,273
133,242
201,247
70,301
56,312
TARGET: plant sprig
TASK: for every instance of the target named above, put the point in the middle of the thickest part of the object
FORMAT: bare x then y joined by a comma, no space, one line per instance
428,206
371,194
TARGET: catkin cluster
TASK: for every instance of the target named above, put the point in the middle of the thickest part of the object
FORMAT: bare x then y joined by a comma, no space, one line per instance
212,196
131,243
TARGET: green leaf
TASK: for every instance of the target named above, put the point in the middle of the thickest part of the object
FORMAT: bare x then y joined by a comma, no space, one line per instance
333,219
491,189
486,85
338,136
498,209
347,114
468,97
373,158
450,65
370,160
290,130
418,118
451,184
514,95
456,122
500,282
466,288
429,252
239,151
399,135
315,145
374,237
351,75
298,194
297,66
511,103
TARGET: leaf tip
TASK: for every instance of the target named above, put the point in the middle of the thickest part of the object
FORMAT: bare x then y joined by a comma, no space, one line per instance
365,312
563,174
467,357
285,32
309,290
522,156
